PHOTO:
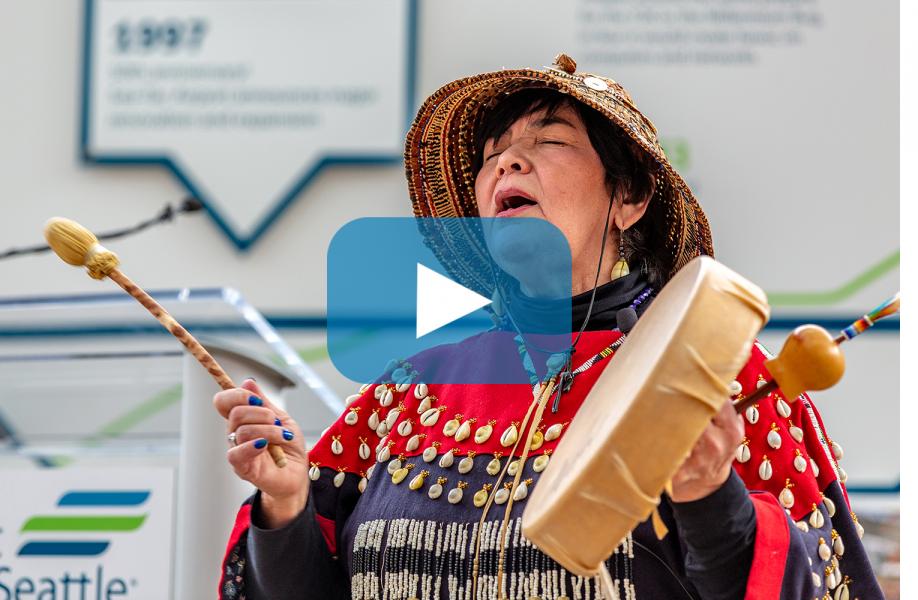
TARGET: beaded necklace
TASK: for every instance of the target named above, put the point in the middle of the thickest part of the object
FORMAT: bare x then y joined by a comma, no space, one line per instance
565,374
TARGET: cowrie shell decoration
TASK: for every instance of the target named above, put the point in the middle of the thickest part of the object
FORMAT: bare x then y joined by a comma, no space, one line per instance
539,464
735,388
502,495
509,436
742,453
351,417
553,432
418,481
493,467
430,417
380,391
446,461
783,408
399,475
382,430
816,518
455,495
513,468
394,465
384,454
825,553
451,427
420,391
403,386
464,431
841,592
429,454
424,406
830,506
339,479
387,398
404,428
483,433
364,451
362,486
752,414
860,529
799,462
466,464
537,439
802,526
786,497
336,446
837,450
796,433
521,492
774,439
414,443
314,472
765,469
435,491
817,581
815,468
373,421
392,417
352,398
838,546
480,497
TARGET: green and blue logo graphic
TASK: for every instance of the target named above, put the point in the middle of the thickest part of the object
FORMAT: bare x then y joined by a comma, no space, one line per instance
94,525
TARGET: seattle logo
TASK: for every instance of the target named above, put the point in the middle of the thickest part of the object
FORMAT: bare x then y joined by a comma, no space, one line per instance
93,526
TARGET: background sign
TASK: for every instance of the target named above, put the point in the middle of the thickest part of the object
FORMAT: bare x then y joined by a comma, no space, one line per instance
246,101
86,533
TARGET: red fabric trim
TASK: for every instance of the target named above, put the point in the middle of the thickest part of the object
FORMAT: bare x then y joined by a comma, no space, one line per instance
804,486
327,527
769,558
243,520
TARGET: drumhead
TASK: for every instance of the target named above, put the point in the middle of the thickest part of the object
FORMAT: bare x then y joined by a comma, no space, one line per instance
644,414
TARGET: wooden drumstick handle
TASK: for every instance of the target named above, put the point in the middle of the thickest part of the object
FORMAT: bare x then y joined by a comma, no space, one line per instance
78,246
809,361
198,351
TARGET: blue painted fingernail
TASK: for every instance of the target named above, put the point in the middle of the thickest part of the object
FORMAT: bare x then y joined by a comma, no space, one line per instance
261,443
255,401
288,435
277,422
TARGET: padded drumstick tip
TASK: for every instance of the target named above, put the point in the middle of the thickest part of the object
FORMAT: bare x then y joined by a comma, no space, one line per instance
78,246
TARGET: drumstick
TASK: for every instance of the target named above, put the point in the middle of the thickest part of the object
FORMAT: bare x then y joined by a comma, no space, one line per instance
77,246
811,359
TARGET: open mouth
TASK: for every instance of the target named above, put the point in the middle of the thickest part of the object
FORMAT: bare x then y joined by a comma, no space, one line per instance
512,203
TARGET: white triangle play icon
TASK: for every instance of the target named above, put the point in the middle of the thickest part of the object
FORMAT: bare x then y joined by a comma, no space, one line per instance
441,301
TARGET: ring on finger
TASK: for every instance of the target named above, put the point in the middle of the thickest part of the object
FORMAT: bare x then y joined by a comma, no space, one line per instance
231,438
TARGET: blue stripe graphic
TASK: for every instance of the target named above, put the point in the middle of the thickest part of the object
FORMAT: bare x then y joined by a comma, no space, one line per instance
104,498
63,548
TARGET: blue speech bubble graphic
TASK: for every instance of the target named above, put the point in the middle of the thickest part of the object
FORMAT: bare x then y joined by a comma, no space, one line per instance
493,310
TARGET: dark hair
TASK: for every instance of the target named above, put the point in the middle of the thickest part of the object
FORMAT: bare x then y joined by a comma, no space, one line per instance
627,167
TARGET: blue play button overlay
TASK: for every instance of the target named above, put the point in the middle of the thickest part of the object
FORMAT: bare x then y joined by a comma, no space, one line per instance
477,301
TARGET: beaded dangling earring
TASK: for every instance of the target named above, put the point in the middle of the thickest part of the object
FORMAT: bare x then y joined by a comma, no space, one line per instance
620,269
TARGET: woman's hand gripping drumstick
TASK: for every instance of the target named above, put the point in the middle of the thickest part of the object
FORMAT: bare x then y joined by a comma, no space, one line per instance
251,422
77,246
810,360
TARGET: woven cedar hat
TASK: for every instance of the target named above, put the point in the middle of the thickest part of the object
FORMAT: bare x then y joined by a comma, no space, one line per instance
440,148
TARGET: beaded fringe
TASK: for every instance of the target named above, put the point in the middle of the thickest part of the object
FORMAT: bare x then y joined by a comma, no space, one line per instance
407,559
